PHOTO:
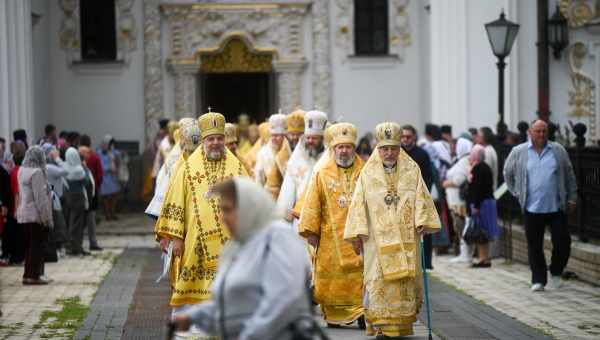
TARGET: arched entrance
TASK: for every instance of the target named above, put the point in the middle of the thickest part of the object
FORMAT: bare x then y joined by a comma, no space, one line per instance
236,79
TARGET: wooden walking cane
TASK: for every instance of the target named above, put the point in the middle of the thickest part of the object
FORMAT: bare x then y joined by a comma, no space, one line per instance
426,289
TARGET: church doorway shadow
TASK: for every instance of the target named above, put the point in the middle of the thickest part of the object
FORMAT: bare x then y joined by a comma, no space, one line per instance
235,93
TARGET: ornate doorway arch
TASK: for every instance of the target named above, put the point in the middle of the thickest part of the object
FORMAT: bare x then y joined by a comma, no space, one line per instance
237,78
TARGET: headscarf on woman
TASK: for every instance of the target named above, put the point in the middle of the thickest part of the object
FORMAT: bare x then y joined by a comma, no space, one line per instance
463,147
35,158
48,148
73,165
256,208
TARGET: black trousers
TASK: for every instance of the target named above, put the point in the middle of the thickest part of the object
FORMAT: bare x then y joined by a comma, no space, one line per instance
13,241
535,226
35,235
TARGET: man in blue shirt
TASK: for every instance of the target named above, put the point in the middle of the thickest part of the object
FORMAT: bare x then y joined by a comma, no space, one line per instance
540,175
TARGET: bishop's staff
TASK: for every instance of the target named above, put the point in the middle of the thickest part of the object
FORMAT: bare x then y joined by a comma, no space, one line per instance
426,289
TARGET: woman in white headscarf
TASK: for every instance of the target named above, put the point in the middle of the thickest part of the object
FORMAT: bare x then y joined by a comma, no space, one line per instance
456,178
260,289
34,213
76,200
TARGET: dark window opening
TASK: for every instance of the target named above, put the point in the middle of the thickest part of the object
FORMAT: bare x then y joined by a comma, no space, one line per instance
98,32
371,27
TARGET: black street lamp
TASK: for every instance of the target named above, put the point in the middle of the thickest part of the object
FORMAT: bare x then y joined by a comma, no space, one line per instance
558,32
502,34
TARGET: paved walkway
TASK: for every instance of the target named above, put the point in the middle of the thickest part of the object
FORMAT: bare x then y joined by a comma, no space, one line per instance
572,312
112,295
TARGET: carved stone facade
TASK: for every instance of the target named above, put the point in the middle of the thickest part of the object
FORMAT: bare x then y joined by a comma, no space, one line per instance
200,31
399,27
153,77
321,56
70,35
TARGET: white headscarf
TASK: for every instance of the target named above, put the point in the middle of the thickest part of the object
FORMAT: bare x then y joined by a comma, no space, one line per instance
463,147
73,165
35,158
256,208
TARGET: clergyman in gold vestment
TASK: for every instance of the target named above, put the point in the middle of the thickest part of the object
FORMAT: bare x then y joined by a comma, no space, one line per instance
390,208
338,272
191,219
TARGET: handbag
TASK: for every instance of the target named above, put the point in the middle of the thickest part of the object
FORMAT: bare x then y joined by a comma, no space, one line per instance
474,233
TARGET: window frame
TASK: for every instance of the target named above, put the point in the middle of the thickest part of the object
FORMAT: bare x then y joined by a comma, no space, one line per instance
371,31
84,57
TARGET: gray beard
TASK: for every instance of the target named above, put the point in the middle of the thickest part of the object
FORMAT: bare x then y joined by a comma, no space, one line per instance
389,166
344,163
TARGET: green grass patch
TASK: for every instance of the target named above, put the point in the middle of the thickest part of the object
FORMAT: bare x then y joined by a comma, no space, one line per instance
64,322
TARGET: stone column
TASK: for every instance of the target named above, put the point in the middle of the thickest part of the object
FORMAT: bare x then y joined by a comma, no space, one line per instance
16,68
321,59
289,84
186,92
153,77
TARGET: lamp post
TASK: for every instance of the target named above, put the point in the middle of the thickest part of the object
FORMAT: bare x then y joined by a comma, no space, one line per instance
502,34
558,32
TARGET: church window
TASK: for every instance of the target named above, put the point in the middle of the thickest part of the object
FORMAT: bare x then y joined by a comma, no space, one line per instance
98,30
371,27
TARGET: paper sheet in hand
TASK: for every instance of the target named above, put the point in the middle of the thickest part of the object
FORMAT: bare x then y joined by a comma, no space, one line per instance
500,191
166,262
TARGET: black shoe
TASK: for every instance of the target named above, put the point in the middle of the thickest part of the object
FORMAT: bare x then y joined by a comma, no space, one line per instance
96,248
85,253
481,265
73,253
362,324
332,325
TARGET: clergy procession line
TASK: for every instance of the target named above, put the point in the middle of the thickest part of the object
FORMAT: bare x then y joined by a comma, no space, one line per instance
362,222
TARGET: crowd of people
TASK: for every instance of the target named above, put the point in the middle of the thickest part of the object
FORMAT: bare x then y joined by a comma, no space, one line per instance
49,194
361,208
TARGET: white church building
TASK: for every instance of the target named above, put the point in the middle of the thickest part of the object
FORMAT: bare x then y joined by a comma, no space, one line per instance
118,66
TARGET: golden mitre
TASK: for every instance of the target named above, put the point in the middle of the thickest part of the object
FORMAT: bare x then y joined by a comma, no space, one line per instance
231,132
212,123
295,121
387,134
327,135
264,131
343,133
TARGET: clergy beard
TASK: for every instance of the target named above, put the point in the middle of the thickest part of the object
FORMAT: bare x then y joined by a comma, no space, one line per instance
214,155
344,161
389,166
314,151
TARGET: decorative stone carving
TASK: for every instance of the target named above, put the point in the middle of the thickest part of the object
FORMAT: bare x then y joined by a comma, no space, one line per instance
289,82
153,77
236,56
321,76
204,25
582,96
126,30
580,12
185,73
240,37
399,27
70,35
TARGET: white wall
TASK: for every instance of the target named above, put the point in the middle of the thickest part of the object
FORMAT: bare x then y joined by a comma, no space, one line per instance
368,91
42,100
101,100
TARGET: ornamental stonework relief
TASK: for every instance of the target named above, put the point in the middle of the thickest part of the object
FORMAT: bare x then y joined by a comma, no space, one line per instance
70,35
236,37
399,27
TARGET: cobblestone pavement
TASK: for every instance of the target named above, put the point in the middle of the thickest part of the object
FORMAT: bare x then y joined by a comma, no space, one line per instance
29,312
572,312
